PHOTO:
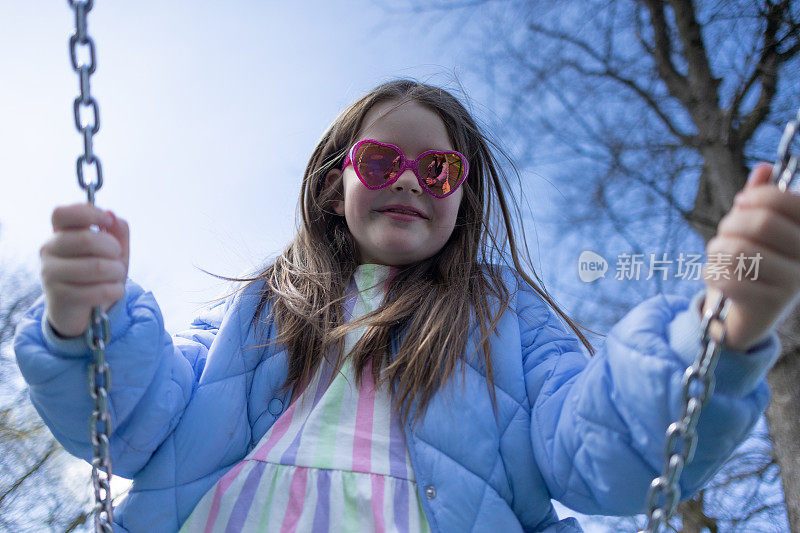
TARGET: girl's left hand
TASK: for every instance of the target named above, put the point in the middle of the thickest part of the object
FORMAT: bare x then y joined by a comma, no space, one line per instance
763,221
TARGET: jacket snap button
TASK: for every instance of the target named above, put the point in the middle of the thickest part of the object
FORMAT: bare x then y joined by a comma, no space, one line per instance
275,406
430,492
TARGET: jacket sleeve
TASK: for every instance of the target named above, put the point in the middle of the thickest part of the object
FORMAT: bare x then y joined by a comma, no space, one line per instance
153,375
598,424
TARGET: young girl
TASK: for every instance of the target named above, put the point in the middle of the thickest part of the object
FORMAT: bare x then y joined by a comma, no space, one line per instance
324,394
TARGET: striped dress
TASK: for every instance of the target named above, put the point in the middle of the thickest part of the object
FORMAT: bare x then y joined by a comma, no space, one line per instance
336,459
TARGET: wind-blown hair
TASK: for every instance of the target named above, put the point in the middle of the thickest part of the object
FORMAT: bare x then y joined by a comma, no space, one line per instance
432,299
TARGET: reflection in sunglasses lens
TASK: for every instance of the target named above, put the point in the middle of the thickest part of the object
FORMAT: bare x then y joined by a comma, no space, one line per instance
377,164
440,172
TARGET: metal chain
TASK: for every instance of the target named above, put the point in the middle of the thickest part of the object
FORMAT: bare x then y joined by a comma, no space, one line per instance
698,380
98,334
785,169
681,437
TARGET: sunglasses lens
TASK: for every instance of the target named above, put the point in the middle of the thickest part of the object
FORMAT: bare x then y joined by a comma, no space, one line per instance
441,172
377,164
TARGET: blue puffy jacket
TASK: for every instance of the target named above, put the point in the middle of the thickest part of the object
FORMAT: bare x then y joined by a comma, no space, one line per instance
588,432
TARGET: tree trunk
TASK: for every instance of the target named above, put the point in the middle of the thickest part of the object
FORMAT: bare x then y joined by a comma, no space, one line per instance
724,174
783,416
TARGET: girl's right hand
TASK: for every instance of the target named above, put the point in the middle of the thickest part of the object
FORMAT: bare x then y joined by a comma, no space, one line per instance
82,268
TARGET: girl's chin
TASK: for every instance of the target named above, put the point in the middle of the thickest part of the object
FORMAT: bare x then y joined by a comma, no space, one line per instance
399,219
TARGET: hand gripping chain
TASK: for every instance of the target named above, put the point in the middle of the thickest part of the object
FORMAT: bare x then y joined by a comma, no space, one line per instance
98,334
698,380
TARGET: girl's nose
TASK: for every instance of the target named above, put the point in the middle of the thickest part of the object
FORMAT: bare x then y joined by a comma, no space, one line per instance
407,181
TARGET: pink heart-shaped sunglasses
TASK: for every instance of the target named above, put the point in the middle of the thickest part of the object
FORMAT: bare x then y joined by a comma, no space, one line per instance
379,165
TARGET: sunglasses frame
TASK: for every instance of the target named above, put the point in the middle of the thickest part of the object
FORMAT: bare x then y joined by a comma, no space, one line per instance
406,164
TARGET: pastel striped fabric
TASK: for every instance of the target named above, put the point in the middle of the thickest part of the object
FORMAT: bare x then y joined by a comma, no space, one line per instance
336,460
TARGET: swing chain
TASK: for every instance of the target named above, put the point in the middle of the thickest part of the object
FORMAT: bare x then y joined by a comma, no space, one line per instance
681,436
785,169
98,334
698,380
77,41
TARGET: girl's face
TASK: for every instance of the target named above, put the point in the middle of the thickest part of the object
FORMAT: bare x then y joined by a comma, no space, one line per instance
380,238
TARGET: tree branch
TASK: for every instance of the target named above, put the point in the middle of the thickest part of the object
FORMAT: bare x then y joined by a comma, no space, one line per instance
638,26
685,138
759,472
701,80
766,72
613,73
50,450
676,83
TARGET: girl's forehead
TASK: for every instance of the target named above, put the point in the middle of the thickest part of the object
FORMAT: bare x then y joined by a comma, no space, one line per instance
412,127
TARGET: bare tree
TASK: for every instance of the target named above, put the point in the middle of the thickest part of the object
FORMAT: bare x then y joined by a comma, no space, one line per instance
648,115
37,491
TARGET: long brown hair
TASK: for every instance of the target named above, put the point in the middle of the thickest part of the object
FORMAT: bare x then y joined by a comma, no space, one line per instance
431,300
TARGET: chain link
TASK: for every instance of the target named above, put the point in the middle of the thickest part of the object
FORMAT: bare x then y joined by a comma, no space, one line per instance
785,169
98,334
698,380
